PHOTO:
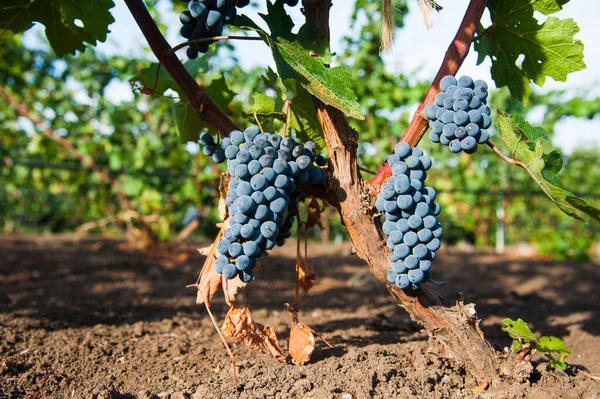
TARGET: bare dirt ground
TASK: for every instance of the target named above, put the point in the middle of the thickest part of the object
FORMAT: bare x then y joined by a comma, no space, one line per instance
88,320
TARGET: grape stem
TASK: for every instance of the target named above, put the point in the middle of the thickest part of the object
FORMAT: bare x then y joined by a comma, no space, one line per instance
286,112
258,122
454,58
211,39
501,154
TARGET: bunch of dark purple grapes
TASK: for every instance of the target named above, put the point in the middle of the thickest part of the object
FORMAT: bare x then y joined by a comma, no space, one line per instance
262,198
459,117
206,18
410,213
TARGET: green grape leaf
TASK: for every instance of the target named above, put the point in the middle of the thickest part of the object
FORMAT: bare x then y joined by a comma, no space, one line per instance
61,19
303,115
546,49
272,81
557,363
552,344
265,106
518,330
148,81
188,122
220,92
543,168
303,57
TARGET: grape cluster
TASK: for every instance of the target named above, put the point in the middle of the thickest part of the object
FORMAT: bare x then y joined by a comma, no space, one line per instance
262,198
206,18
410,212
459,116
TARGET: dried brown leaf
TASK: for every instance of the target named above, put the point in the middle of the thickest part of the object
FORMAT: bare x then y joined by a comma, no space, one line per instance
240,325
302,341
205,251
231,289
222,208
301,344
209,281
223,186
314,215
306,273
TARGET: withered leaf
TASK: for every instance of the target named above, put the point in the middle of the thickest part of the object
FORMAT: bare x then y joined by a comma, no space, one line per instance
231,288
302,341
301,344
306,273
223,186
240,325
209,281
314,215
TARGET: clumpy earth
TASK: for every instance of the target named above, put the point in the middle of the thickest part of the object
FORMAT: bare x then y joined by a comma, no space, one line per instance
91,319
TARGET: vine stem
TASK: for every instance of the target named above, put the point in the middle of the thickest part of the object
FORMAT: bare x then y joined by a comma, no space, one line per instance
454,58
197,97
501,154
211,39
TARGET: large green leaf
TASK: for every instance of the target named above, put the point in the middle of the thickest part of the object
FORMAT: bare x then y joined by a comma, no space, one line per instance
523,50
188,122
59,17
302,115
524,141
304,56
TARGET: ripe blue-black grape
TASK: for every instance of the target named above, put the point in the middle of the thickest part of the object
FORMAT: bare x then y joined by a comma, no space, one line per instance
458,116
262,199
410,210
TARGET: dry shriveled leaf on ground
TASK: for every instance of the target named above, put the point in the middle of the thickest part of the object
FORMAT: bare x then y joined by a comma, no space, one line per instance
240,325
306,273
302,341
314,215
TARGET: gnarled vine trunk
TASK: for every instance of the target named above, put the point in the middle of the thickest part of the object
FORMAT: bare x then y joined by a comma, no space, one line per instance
456,326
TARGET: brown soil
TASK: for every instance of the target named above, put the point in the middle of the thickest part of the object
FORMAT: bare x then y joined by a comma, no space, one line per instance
85,319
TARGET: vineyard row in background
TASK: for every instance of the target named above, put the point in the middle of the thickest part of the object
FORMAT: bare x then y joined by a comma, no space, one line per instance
43,205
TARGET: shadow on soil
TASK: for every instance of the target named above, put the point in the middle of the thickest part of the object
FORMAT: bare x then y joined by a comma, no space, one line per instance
62,284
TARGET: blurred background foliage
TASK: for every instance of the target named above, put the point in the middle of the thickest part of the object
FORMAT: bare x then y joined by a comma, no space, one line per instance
154,179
